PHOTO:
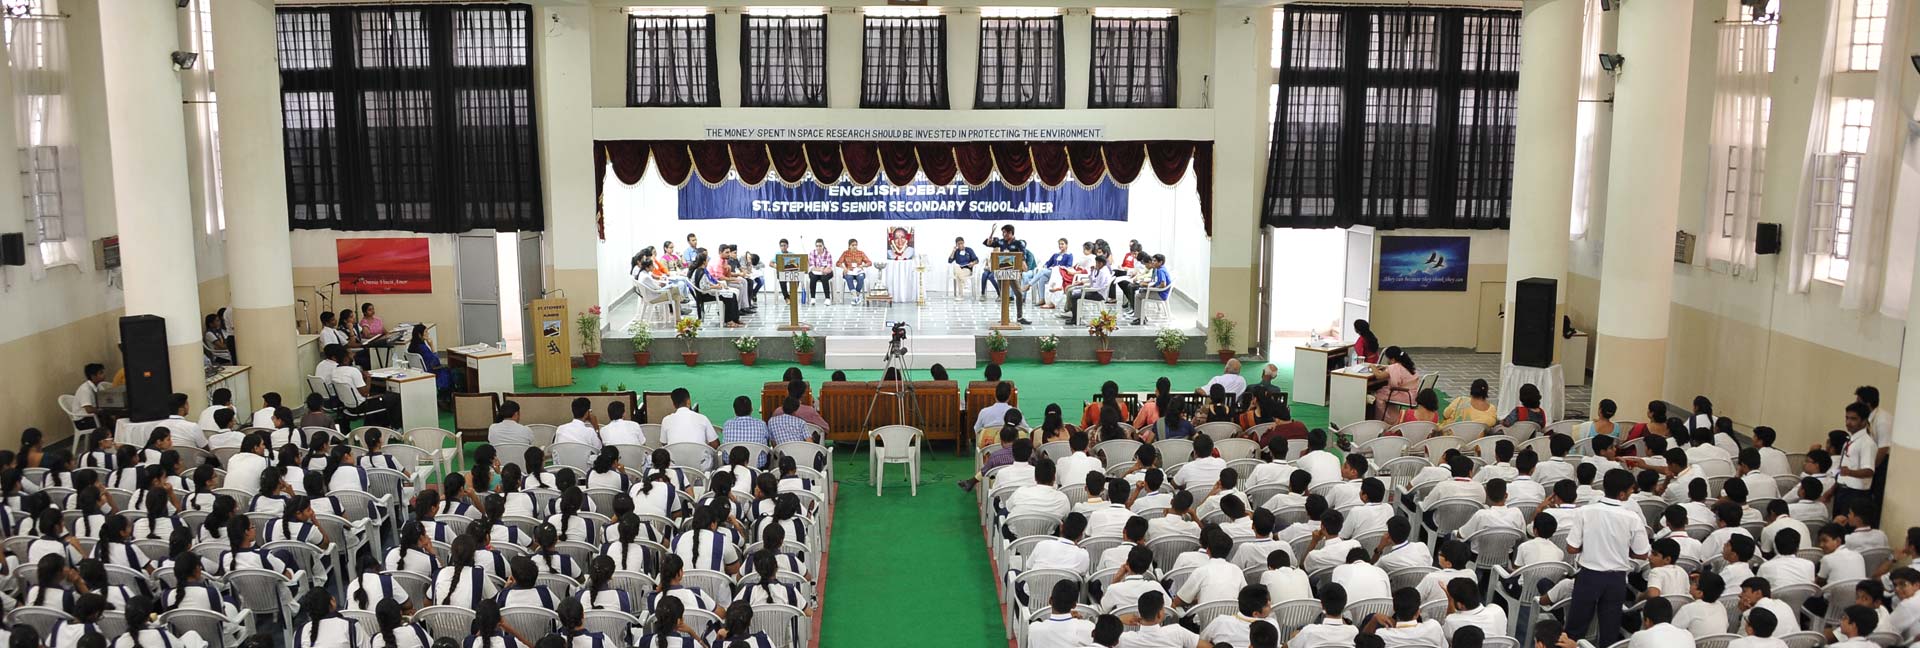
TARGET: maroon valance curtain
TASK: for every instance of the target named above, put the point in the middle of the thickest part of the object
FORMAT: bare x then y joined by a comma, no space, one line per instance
975,163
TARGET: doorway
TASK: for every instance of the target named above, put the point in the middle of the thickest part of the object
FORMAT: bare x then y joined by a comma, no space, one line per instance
1490,329
495,272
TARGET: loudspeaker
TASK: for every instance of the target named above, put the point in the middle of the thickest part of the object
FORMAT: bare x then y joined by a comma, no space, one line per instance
1766,239
143,347
13,249
1533,322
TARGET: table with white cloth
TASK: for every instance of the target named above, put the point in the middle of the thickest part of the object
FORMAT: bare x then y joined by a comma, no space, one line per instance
1553,389
902,276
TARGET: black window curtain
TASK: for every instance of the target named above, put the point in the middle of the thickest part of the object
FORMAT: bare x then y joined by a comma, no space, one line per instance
783,61
1134,63
1020,63
409,118
670,61
1394,117
904,62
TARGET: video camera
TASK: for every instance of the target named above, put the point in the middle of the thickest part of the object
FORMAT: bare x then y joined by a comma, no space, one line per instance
898,341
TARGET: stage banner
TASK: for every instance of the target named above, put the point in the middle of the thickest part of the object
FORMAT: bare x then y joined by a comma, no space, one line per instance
1424,263
921,200
384,266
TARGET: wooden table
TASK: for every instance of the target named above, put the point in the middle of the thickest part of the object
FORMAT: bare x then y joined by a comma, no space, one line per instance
1347,394
418,392
483,368
1311,365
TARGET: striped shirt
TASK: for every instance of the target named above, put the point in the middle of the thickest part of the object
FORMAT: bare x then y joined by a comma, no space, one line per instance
785,428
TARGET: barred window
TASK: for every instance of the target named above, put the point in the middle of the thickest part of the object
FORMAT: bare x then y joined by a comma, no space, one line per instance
1020,63
784,61
671,61
904,62
1134,62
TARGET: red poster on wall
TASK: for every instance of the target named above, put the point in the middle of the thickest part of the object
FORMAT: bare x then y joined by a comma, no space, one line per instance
384,266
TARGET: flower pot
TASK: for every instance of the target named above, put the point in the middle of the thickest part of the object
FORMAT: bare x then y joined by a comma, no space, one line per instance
642,358
1046,357
591,359
997,357
1172,356
747,357
1225,355
690,357
803,357
1103,356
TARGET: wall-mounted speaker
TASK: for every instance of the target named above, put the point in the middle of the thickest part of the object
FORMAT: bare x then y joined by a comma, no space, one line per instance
13,249
1766,239
143,347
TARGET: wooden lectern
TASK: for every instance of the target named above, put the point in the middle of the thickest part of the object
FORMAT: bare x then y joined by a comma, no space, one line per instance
1006,270
553,336
792,269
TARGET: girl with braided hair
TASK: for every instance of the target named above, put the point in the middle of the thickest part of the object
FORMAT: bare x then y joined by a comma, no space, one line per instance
159,522
371,587
53,538
625,549
765,585
394,631
116,545
738,632
415,552
462,583
573,630
704,546
573,527
669,628
193,591
599,592
672,572
546,541
141,630
489,631
325,628
525,588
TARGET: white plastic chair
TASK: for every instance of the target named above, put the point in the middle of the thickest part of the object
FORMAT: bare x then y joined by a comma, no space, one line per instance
895,444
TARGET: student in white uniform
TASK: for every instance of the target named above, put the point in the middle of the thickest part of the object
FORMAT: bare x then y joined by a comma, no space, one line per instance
1465,609
1333,629
1762,631
1404,628
324,627
583,429
1235,629
1705,615
1657,629
619,430
1061,629
1134,579
1153,610
1757,594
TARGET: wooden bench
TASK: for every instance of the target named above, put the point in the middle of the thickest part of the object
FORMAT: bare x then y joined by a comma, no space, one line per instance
845,405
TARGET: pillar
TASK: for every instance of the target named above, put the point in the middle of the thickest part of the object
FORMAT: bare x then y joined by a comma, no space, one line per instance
1643,202
259,248
563,68
1548,104
1242,72
146,131
1901,512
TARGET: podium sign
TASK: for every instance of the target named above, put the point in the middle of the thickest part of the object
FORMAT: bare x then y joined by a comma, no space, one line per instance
791,269
1006,270
553,337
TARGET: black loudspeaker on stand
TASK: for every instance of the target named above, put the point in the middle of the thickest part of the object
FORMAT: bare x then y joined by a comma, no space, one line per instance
143,347
1533,322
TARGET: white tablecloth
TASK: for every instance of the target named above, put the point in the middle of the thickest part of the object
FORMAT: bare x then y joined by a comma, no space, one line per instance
1553,389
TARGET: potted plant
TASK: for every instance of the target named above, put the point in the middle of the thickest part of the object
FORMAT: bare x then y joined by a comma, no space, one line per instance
1048,344
996,348
1222,329
1169,341
687,329
748,347
588,325
642,339
803,347
1100,328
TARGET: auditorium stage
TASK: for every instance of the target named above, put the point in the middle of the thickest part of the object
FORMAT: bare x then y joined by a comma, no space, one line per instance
939,316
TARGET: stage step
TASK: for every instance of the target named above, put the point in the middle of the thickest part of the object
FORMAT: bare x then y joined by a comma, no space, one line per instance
923,351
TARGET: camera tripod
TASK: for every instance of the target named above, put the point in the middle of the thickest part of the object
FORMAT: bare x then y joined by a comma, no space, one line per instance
903,393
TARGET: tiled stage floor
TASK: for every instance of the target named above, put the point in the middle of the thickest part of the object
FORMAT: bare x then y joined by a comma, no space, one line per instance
939,316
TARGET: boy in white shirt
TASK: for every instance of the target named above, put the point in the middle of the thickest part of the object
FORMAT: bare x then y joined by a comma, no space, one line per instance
1759,484
1699,510
1405,628
1105,519
1276,471
1704,615
1135,534
1540,548
1040,497
1804,502
1757,594
1502,466
1331,630
1074,467
1227,485
1465,609
1787,568
1665,578
1456,562
1555,468
1295,495
1842,563
1249,554
1818,466
1133,580
1397,552
620,431
222,399
1525,487
1738,554
1214,580
1346,494
1657,629
1497,515
1761,624
1061,629
1317,510
1327,549
1855,624
1728,515
1235,629
1153,608
1778,520
1322,465
1283,581
1179,519
227,437
1373,512
1018,473
1862,536
1203,470
1362,579
1676,520
1773,462
1147,496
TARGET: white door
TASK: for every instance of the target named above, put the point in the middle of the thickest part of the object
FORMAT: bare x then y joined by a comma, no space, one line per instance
477,265
1356,297
533,283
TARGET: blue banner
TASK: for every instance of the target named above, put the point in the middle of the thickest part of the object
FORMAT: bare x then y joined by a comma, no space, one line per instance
1424,263
921,200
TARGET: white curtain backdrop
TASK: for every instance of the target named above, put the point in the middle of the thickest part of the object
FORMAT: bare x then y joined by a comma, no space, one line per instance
1805,249
1587,122
1866,260
1738,146
37,51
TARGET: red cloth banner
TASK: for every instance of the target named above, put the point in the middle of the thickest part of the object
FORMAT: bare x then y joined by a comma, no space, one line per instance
384,266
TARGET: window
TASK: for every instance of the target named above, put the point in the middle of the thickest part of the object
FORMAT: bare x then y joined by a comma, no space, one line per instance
1394,117
1866,34
1134,64
1853,126
203,108
904,60
49,159
426,112
785,60
671,61
1019,62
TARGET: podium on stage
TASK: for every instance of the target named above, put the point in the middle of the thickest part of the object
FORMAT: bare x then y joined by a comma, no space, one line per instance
547,322
792,269
1006,270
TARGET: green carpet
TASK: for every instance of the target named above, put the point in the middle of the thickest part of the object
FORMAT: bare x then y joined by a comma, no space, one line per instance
903,566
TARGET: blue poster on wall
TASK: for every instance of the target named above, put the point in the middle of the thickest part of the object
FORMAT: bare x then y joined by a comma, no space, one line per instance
921,200
1424,263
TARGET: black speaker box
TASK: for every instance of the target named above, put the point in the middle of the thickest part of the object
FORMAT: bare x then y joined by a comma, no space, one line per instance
1766,239
143,347
1533,322
13,249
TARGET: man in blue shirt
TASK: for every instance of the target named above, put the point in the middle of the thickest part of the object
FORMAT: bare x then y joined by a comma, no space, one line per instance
963,260
1159,287
1007,243
744,427
785,427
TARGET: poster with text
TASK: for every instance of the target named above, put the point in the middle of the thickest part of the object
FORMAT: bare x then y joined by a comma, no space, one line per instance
384,266
921,200
1424,263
